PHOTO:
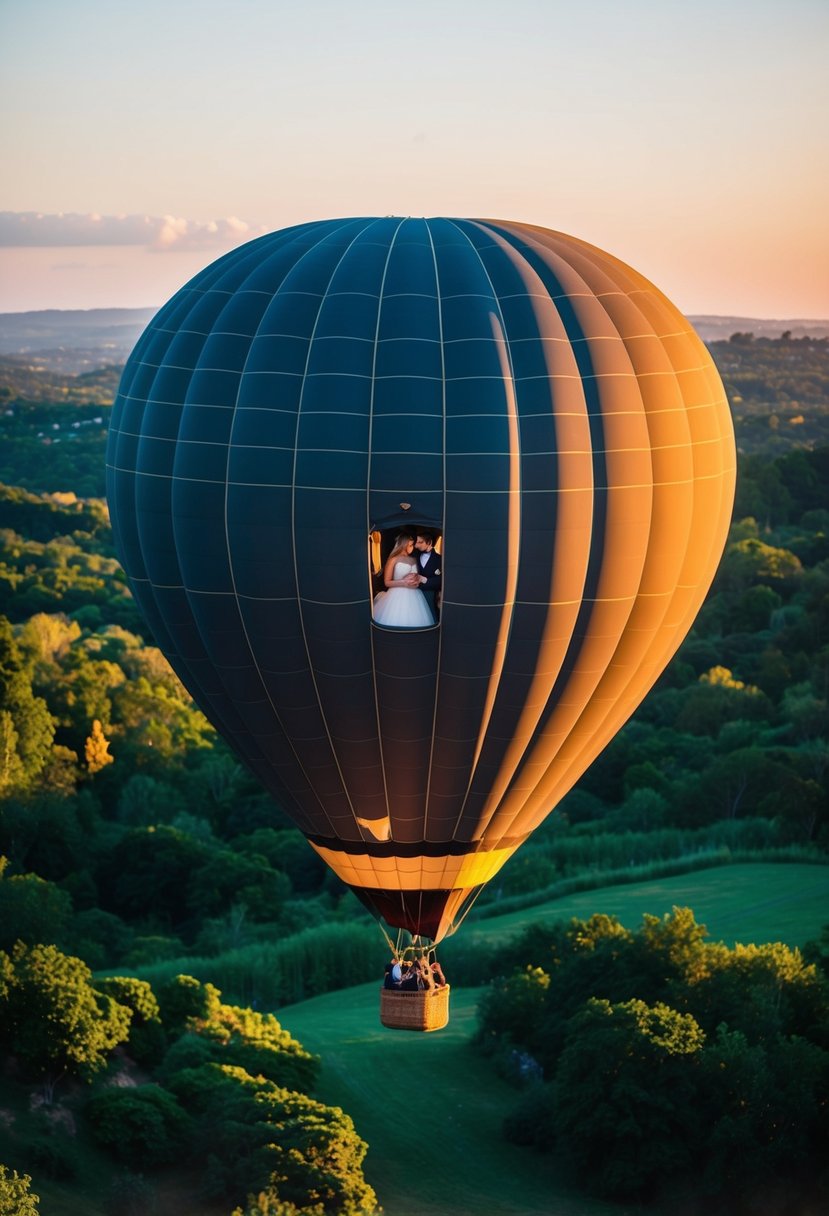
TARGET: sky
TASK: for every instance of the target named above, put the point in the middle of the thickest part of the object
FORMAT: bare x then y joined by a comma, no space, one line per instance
142,140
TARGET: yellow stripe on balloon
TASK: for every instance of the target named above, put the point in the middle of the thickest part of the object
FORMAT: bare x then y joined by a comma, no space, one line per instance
446,873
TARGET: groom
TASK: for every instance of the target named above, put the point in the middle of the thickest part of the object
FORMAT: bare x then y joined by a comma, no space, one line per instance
428,562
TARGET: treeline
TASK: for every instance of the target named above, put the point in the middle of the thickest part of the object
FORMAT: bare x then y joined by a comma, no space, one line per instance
778,389
658,1067
53,426
220,1089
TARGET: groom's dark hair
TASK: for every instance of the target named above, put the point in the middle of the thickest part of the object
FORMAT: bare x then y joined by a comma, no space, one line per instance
425,534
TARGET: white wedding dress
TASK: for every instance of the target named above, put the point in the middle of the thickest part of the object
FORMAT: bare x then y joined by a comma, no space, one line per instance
402,607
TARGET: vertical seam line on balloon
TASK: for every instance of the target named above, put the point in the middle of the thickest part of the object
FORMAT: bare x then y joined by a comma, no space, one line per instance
514,493
274,294
443,526
581,352
369,520
201,697
293,519
212,275
668,647
608,715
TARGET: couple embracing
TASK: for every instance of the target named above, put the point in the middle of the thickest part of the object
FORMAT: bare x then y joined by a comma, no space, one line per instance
413,579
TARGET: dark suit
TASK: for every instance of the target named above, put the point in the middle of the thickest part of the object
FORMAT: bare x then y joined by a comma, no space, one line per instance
431,568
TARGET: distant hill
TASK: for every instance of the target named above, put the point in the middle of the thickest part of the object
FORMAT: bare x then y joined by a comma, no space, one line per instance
73,341
718,329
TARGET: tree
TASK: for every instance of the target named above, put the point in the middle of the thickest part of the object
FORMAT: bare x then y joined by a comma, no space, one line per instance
52,1018
267,1203
239,878
26,734
144,1125
96,749
183,1000
145,801
149,871
266,1139
31,909
623,1081
16,1198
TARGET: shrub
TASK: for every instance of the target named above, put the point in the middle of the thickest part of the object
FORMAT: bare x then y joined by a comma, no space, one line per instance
280,1143
51,1156
141,1126
131,1195
184,998
53,1019
16,1199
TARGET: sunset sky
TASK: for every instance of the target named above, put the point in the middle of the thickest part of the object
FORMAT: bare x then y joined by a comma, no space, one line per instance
142,140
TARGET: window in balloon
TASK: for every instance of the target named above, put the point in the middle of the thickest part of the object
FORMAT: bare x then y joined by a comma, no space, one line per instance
405,573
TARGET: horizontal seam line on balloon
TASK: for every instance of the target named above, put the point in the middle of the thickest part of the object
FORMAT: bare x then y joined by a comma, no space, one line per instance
361,489
553,414
628,374
304,337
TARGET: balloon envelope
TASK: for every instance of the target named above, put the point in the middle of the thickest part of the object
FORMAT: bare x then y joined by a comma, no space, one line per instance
534,400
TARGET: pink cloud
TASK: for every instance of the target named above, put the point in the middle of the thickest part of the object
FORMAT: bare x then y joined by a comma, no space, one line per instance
162,234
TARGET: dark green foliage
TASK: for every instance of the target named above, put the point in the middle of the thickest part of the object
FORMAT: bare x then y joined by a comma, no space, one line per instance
817,952
31,909
52,1018
143,1125
286,850
310,961
205,1029
266,1139
131,1195
668,1063
183,999
623,1111
50,1155
100,938
147,1040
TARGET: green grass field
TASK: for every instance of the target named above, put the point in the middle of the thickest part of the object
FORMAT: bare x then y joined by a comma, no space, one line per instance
760,902
431,1109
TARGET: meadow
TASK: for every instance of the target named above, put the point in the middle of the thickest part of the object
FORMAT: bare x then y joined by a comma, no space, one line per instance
431,1107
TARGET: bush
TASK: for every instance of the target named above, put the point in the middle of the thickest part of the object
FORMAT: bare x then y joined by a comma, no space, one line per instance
131,1195
673,1067
280,1143
184,998
16,1199
52,1018
51,1156
623,1081
319,959
141,1126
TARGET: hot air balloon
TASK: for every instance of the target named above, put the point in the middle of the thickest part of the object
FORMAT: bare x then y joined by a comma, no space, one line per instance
539,406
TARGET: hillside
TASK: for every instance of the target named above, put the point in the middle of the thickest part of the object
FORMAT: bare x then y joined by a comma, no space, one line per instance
436,1092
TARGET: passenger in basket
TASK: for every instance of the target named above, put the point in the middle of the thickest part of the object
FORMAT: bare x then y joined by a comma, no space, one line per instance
392,976
409,983
425,979
437,973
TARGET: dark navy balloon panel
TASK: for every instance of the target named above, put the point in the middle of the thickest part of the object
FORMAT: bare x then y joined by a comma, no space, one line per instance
536,403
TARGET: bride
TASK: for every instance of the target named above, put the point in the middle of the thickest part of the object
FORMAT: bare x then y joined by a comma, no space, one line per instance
403,604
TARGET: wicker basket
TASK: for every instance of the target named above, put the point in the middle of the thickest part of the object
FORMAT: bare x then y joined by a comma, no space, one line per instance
426,1010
